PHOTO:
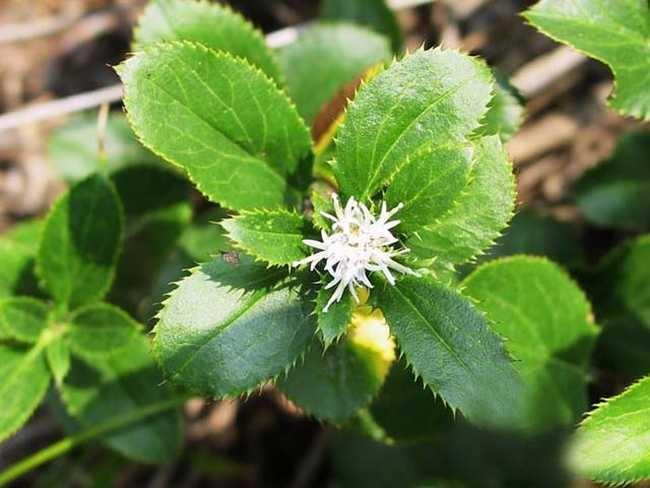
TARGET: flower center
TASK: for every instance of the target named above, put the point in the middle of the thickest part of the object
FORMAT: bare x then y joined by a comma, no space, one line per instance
359,243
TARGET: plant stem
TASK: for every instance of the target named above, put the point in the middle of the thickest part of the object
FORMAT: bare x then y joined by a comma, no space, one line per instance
61,447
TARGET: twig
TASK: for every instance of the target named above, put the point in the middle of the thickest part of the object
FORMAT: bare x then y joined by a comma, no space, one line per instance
548,133
39,28
55,108
537,76
111,94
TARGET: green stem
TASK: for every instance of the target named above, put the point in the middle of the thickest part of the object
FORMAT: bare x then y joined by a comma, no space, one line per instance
64,445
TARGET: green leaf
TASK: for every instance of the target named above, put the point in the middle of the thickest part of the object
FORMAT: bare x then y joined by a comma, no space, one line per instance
333,323
57,354
618,287
547,325
119,384
100,329
478,216
407,410
224,331
18,248
81,242
220,119
274,236
23,318
612,444
450,345
213,25
505,113
25,379
616,34
157,211
406,123
620,282
616,193
326,57
537,234
335,383
74,151
374,14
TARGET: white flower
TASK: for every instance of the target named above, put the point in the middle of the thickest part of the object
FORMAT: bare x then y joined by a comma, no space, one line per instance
360,242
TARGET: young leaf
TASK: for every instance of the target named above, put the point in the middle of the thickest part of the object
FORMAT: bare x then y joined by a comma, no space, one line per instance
616,34
335,383
271,236
612,444
123,383
213,25
374,14
223,331
401,393
333,323
24,382
403,118
547,325
616,193
326,57
220,119
23,318
57,354
18,248
73,148
100,329
81,242
478,216
505,112
450,345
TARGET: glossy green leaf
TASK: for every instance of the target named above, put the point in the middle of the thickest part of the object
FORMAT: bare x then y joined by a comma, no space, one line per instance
324,58
407,410
616,193
81,242
74,149
24,382
272,236
479,215
223,331
220,119
23,318
450,345
612,445
18,248
374,14
57,354
333,323
213,25
547,325
408,126
615,33
335,383
119,384
100,329
505,113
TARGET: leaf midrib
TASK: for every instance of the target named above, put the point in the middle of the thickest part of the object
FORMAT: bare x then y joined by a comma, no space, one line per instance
209,124
435,332
219,329
433,104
